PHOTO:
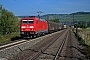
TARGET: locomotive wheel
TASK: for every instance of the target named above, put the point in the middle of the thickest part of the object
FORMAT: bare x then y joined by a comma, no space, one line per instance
32,36
21,36
43,34
36,35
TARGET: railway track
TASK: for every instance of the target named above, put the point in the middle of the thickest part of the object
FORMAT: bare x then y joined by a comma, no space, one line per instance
70,50
10,50
52,50
35,52
14,43
11,44
66,53
58,46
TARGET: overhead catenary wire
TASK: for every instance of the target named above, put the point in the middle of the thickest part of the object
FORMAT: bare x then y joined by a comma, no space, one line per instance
30,3
25,5
58,4
39,12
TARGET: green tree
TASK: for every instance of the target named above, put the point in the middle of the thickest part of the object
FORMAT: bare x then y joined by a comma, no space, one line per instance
8,22
0,10
81,25
56,20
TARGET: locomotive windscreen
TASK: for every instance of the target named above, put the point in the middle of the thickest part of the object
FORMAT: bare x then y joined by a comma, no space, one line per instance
27,21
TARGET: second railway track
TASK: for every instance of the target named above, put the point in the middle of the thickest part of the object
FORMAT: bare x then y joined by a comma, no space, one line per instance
11,44
51,51
47,48
9,51
59,46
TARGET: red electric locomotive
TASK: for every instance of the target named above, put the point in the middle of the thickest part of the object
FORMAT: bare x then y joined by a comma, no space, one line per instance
32,26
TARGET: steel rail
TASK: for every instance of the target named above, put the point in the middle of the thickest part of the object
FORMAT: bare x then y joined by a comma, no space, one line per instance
61,46
41,51
11,44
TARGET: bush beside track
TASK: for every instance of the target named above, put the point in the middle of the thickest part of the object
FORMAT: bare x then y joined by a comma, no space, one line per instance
7,38
86,48
9,26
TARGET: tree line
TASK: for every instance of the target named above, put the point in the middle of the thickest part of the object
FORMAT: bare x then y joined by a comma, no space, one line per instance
81,12
8,22
55,20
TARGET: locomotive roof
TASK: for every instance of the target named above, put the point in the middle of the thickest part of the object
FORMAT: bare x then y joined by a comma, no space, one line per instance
34,17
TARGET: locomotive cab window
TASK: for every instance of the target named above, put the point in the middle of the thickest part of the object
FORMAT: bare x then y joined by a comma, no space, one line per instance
30,21
27,21
24,21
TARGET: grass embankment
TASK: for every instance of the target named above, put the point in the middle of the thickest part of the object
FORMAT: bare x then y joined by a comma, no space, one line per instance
7,38
83,37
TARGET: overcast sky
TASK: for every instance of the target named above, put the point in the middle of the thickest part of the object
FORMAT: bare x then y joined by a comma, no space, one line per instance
31,7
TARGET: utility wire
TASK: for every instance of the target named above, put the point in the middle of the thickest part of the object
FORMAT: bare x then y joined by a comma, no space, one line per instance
58,4
39,12
30,3
25,5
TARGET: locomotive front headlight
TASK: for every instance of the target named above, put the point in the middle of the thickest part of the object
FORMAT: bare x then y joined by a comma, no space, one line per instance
31,26
23,27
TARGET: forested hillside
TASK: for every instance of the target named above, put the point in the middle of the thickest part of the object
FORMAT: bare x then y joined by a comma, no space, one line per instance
78,16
